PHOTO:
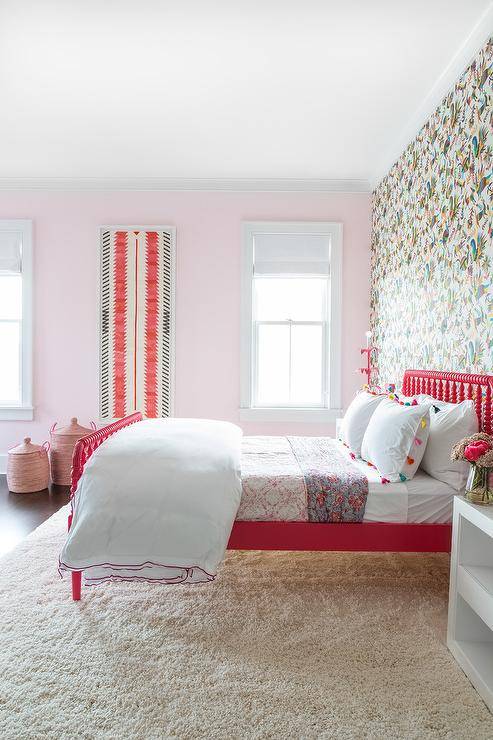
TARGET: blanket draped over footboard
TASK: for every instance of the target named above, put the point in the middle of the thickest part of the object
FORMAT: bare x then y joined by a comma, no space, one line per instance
156,502
336,489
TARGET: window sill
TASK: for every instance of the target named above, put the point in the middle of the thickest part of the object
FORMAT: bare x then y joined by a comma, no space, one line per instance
290,415
16,413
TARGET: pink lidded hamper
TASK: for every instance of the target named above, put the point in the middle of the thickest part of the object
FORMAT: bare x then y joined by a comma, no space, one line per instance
27,467
63,441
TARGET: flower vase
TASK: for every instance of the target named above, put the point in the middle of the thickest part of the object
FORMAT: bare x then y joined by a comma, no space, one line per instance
479,486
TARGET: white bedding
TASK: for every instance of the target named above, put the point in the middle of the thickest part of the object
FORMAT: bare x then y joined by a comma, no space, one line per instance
157,502
422,499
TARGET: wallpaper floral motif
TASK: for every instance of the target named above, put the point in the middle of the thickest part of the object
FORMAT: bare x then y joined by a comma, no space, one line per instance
432,239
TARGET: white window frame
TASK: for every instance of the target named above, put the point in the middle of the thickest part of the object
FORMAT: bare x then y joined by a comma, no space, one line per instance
333,339
24,410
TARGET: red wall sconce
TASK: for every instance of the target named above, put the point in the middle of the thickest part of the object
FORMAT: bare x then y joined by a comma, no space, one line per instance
368,352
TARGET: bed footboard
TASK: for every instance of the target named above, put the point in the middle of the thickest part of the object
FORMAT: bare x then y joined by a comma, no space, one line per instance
82,452
88,444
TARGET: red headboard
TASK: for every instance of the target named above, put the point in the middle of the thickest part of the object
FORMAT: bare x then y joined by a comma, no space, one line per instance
454,387
86,445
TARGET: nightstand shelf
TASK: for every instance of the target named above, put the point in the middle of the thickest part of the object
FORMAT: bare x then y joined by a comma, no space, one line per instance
475,585
470,620
479,654
483,575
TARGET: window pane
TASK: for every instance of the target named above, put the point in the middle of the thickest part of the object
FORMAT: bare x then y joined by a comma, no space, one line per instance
298,299
10,297
306,365
273,365
10,335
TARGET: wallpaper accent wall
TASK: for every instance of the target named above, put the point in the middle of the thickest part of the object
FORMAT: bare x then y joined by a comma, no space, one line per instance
431,299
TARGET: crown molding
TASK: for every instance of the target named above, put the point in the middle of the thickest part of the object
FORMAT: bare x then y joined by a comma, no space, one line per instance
445,82
281,185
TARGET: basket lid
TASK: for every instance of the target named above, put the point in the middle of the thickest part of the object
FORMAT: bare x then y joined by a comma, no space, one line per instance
73,428
25,448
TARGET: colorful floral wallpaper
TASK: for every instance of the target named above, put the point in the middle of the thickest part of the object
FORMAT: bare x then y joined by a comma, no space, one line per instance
432,239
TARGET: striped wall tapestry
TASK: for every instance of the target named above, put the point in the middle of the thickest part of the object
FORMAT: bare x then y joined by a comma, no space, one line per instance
136,321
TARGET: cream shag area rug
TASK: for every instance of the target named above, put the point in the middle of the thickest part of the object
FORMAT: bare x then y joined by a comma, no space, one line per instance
282,645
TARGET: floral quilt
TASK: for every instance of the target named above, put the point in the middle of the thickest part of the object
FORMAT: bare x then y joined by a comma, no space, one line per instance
336,489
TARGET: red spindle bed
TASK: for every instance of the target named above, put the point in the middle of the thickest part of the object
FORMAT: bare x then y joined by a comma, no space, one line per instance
365,536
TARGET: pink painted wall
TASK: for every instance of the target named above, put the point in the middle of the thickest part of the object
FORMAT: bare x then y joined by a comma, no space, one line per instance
207,294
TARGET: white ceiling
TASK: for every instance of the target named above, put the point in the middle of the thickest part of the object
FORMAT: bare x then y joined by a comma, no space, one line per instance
218,88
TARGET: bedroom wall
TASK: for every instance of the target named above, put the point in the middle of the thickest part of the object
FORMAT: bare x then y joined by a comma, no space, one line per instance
432,239
207,294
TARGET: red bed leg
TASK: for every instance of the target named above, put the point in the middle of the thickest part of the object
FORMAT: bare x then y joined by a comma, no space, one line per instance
76,574
76,584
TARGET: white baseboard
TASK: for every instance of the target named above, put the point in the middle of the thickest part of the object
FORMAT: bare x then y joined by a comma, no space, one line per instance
3,464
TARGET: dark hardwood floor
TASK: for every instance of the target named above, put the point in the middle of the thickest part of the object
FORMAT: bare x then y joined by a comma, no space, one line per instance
20,513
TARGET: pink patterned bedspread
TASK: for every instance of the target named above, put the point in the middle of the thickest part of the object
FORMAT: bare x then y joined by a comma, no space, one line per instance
299,479
272,480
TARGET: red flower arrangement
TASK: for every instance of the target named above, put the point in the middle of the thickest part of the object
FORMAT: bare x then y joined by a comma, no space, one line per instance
477,450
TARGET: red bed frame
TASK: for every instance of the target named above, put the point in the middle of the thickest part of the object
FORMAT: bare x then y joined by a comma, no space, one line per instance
367,536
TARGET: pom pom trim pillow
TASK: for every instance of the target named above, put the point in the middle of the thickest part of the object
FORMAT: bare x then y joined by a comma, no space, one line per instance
395,439
356,419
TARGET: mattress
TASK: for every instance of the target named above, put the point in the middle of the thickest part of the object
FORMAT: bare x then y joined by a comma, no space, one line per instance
273,489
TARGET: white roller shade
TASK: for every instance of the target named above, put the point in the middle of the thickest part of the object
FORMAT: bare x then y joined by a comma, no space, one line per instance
292,254
10,251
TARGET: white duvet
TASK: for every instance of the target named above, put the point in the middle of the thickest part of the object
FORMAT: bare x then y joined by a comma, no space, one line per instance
157,501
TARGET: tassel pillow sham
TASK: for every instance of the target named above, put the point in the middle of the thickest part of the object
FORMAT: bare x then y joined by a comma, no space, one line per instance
395,439
356,419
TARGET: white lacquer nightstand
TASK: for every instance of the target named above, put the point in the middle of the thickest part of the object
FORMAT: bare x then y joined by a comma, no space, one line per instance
470,612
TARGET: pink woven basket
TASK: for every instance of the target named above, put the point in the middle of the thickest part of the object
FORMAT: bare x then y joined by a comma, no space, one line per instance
27,467
63,441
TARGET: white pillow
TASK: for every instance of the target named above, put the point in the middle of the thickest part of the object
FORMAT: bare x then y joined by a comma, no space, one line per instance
395,439
449,425
356,419
423,398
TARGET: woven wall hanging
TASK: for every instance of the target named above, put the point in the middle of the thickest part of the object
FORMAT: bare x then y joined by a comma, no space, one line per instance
136,320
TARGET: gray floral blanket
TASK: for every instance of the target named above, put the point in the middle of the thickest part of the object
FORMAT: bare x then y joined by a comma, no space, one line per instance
337,490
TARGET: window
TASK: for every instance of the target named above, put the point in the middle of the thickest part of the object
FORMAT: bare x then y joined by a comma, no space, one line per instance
291,297
15,320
